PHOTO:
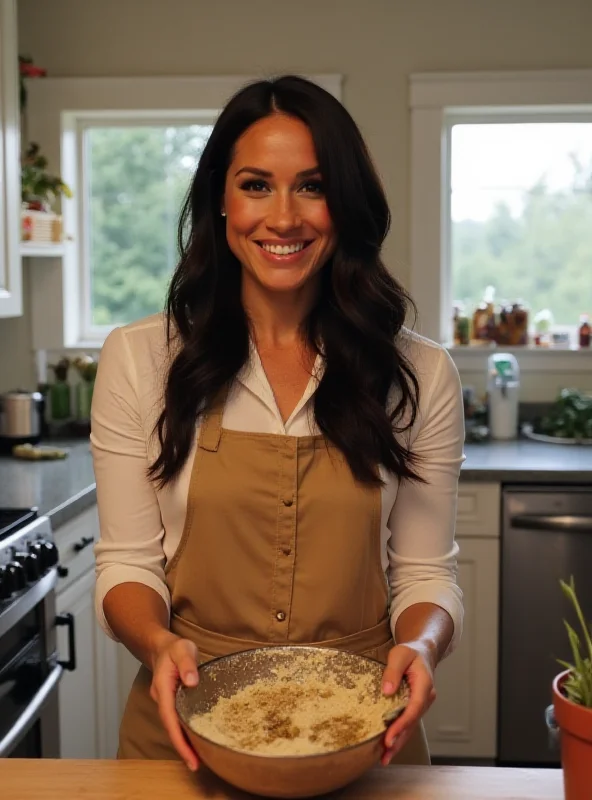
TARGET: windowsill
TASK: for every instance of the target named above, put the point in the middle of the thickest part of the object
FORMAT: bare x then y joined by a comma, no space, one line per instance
35,250
530,357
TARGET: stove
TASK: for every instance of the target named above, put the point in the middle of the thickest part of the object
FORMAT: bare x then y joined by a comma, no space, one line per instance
29,667
27,552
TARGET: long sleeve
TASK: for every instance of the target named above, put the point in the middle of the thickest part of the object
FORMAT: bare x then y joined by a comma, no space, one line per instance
422,552
131,542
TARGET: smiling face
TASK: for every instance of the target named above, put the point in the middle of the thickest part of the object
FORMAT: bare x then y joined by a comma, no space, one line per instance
277,221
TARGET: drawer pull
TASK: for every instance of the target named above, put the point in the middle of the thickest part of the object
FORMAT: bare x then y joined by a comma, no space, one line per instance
84,542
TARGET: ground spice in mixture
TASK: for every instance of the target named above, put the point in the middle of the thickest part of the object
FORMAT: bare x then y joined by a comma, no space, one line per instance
277,716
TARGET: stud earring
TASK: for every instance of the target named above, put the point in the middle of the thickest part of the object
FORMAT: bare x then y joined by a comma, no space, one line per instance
223,213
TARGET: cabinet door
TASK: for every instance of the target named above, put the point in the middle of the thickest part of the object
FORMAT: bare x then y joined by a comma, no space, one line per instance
95,650
106,693
462,723
77,696
10,261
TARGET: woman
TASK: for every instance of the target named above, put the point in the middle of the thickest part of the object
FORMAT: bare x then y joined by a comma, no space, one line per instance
277,458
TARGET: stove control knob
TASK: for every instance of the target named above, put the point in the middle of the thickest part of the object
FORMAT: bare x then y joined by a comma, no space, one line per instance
38,549
30,565
17,572
51,556
7,584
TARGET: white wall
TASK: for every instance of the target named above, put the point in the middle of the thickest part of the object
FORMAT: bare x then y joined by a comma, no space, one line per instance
375,44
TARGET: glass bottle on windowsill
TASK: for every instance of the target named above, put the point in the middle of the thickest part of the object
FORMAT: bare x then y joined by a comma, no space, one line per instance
585,331
59,391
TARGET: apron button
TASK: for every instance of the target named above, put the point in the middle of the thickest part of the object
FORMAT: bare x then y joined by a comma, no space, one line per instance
280,616
287,551
288,501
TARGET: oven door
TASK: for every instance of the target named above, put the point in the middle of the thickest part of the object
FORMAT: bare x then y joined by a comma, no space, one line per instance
30,674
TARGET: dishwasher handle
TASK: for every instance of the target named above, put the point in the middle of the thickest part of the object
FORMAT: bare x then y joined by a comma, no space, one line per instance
572,523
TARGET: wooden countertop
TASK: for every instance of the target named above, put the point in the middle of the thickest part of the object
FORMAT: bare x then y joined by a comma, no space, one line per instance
45,779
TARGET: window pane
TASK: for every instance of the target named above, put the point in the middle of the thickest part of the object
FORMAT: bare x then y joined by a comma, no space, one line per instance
137,178
521,208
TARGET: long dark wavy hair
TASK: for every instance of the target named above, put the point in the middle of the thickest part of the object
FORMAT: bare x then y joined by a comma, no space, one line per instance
355,323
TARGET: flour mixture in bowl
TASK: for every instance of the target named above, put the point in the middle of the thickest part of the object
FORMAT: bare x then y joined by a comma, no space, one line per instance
303,707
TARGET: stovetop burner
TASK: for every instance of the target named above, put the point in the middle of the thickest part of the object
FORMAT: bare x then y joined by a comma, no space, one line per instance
13,519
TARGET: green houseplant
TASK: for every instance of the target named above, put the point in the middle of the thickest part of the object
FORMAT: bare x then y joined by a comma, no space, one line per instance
572,702
39,188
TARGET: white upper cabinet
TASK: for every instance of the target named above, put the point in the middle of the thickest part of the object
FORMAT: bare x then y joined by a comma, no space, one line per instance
11,304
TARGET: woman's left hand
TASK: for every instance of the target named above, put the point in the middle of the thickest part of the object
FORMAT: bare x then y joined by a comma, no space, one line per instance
414,661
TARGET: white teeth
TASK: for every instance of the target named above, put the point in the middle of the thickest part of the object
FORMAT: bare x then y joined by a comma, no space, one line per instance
283,250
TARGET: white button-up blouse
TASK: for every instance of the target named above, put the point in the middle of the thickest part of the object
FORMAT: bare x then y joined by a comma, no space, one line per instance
141,525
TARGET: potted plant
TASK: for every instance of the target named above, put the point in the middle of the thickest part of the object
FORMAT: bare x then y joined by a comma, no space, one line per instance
27,69
572,703
39,190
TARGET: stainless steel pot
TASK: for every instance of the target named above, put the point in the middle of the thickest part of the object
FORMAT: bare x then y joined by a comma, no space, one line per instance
21,415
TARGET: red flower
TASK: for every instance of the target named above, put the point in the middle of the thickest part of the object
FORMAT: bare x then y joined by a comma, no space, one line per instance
31,71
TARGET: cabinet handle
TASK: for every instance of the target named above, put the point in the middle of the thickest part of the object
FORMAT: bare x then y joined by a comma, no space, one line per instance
537,522
84,542
68,619
63,572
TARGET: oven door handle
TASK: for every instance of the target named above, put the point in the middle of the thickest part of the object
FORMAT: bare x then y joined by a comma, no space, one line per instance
573,523
30,714
68,620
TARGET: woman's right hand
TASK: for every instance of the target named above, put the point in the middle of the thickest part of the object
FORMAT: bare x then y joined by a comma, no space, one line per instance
175,661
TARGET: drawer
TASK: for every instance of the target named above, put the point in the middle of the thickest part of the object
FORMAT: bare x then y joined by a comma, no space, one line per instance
478,510
75,540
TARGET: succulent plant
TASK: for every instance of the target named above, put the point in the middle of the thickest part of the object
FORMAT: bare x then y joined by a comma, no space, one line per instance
578,686
61,369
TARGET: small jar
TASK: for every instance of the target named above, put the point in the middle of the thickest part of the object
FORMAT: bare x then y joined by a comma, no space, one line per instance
84,393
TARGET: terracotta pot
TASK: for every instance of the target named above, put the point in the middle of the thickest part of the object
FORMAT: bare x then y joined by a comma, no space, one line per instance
575,724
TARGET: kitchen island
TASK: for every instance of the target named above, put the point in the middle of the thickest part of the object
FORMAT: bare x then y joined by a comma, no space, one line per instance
166,780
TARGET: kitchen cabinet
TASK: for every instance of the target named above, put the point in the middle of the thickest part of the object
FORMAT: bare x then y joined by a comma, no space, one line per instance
88,696
11,301
77,696
462,723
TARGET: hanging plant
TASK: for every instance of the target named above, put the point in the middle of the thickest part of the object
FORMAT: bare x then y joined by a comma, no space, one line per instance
27,69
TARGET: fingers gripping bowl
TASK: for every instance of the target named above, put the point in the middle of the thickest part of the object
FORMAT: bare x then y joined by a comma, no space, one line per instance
289,721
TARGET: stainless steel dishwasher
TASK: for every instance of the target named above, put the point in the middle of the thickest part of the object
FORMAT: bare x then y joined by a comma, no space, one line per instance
547,535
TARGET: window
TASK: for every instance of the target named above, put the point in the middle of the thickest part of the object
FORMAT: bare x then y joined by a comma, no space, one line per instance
520,217
501,196
134,179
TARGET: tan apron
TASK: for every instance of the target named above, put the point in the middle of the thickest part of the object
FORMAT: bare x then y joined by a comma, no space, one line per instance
280,544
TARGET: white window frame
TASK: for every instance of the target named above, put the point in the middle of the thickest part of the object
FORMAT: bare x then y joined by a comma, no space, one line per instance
58,110
76,213
437,101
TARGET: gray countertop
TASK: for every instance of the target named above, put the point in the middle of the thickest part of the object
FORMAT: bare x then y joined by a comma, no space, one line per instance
525,461
61,489
65,488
